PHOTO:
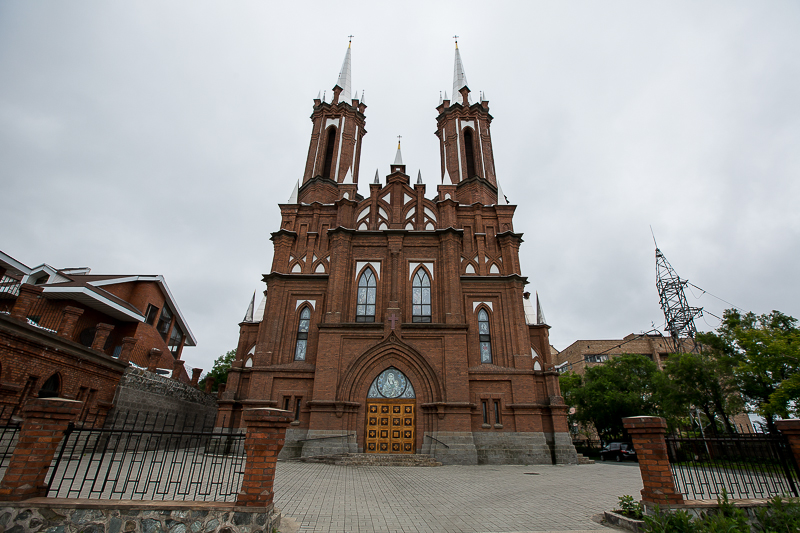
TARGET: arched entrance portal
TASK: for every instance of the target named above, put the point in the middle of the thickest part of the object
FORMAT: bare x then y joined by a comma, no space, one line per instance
391,406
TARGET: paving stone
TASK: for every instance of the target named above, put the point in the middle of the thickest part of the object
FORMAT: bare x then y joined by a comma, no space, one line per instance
458,499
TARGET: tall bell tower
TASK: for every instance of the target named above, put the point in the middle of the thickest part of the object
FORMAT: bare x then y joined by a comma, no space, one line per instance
335,148
465,142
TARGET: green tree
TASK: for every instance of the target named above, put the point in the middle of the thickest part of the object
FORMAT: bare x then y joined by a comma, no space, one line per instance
219,371
764,355
703,382
628,385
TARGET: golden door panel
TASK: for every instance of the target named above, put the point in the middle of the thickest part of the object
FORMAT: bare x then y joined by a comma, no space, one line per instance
390,428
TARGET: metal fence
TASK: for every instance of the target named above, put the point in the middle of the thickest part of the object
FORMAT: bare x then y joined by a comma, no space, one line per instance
754,465
9,434
140,457
9,290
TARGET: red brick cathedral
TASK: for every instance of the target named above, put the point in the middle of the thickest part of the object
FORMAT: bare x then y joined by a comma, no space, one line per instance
396,323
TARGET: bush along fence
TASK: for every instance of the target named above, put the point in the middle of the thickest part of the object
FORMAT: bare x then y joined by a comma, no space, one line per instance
683,471
138,476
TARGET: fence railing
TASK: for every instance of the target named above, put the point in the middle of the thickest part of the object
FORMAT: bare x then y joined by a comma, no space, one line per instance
141,457
753,465
9,290
9,434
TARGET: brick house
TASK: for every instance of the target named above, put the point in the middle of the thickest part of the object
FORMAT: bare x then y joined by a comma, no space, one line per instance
396,322
70,333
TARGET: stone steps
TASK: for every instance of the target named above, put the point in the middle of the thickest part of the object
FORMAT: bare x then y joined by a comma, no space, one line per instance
584,460
373,459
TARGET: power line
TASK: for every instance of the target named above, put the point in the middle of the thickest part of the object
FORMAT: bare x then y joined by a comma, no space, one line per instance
717,297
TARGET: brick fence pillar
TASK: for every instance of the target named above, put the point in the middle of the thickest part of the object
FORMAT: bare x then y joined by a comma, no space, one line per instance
68,320
791,429
177,368
43,425
128,343
27,297
100,336
196,376
209,384
647,433
266,429
153,357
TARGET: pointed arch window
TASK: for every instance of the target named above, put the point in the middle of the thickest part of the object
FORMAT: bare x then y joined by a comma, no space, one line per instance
326,169
469,152
421,297
51,388
365,304
484,336
302,335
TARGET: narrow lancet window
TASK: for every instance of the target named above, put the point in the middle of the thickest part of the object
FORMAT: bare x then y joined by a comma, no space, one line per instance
326,170
469,152
365,306
484,336
302,335
421,297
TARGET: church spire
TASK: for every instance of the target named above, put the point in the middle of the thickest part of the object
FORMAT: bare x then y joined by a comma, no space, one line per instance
459,77
398,159
344,81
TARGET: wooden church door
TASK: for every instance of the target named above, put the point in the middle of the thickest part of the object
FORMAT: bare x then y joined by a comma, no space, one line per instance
390,420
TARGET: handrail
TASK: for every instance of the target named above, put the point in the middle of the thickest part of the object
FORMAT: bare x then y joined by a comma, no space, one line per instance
329,437
437,440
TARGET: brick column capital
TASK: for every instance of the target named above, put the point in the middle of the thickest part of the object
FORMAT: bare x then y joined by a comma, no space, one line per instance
177,368
153,356
196,376
647,434
791,429
25,300
266,430
102,331
68,320
44,422
128,343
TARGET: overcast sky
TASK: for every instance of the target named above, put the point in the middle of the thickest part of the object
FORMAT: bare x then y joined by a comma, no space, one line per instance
158,138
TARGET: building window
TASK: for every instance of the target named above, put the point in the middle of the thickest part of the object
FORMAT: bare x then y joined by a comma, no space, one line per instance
302,335
297,409
469,152
175,339
326,170
497,412
163,323
51,388
365,308
596,358
152,313
485,412
484,336
421,300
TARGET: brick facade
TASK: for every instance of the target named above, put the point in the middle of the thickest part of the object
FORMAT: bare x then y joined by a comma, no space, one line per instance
505,408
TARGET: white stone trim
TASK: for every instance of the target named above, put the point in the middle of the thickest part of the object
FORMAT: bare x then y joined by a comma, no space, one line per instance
376,266
412,267
313,304
476,304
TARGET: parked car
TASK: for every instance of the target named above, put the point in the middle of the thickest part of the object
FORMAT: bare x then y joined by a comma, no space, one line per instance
618,451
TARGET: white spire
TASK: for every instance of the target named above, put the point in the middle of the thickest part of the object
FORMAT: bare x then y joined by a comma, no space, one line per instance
440,97
459,78
258,316
295,193
377,179
539,313
319,96
344,76
398,159
348,178
445,95
248,316
419,177
501,198
362,96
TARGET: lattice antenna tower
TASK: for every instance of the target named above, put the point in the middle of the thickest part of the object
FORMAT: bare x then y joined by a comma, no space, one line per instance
679,315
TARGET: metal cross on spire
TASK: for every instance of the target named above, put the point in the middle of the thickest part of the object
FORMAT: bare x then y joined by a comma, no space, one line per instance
398,140
350,37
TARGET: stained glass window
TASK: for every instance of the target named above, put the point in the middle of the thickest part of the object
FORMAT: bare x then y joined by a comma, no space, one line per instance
365,302
484,336
302,335
421,297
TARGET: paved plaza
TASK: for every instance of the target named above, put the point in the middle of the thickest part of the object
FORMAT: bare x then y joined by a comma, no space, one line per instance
454,499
